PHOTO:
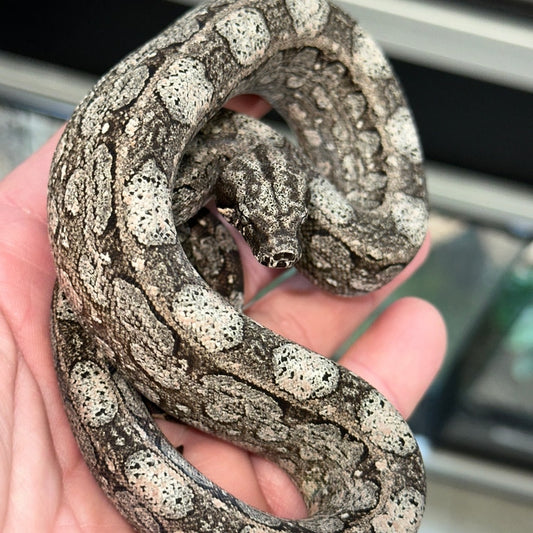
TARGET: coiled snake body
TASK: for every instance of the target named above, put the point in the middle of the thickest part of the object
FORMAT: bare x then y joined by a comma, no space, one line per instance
140,157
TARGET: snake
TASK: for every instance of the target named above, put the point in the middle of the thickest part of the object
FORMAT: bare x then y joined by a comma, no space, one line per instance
147,308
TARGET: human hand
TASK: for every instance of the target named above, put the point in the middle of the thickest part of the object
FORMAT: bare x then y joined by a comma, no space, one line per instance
44,482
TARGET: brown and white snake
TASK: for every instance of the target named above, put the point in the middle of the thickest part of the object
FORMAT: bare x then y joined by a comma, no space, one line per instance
142,155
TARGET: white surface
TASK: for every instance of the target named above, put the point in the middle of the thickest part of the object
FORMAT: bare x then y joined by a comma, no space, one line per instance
33,81
481,197
457,39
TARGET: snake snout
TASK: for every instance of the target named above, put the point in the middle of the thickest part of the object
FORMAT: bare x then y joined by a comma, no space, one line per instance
282,260
280,256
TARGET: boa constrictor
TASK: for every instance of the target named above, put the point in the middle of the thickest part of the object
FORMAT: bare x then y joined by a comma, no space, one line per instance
140,158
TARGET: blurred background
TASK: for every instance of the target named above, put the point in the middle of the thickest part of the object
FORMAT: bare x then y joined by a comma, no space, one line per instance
467,69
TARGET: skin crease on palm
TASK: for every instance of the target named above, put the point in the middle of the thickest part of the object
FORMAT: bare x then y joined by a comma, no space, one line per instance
44,483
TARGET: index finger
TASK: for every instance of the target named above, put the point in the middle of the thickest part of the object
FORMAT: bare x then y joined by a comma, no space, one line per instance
313,317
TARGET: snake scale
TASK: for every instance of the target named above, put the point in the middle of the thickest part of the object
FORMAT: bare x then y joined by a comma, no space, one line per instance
139,160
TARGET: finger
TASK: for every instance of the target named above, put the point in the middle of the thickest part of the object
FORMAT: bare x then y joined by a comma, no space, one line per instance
251,104
249,477
26,266
223,463
281,494
314,318
401,352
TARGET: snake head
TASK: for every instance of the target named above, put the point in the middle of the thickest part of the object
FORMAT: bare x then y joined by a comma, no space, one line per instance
264,194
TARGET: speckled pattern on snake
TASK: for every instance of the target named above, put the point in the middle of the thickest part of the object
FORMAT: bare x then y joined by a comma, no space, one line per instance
149,283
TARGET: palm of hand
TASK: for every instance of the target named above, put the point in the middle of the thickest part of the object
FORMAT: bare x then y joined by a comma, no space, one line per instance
44,483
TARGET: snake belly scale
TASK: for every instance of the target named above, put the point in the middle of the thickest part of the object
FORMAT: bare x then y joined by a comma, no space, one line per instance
142,155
